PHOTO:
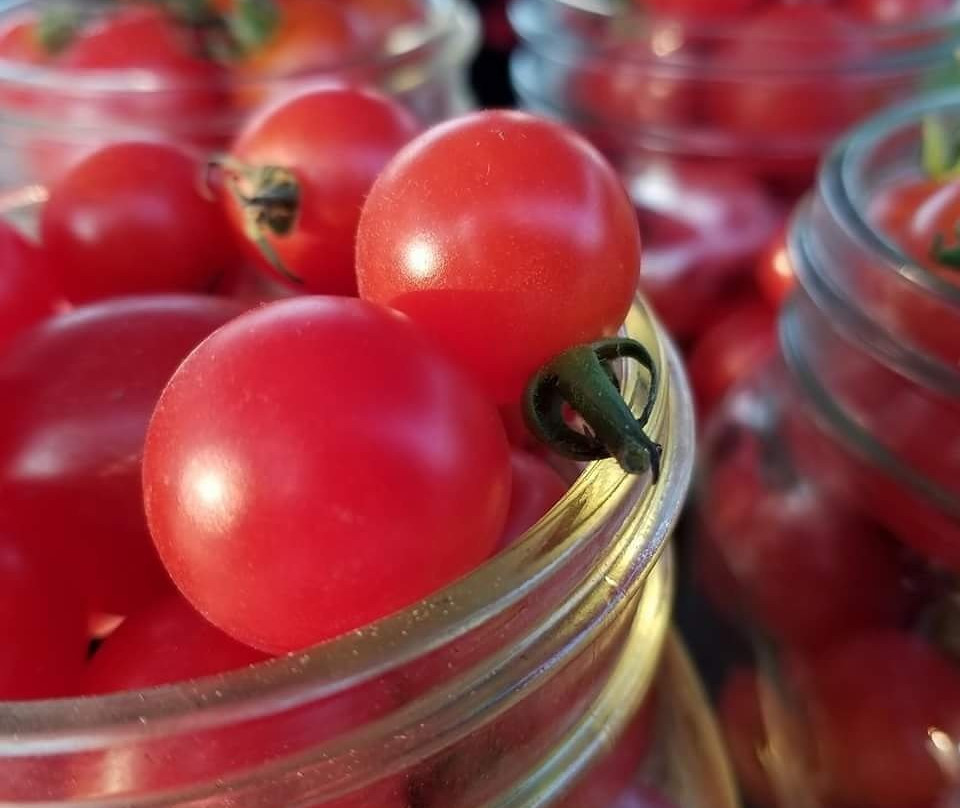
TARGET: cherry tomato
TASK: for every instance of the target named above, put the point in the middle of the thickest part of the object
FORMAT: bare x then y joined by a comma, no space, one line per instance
132,219
896,11
192,90
309,35
535,489
734,346
774,273
773,90
744,727
876,703
702,227
700,10
378,488
76,393
808,571
164,643
507,237
42,619
322,149
20,40
28,292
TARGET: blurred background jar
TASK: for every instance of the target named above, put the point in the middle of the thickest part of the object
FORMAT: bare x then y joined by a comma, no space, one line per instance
828,507
716,113
77,75
548,677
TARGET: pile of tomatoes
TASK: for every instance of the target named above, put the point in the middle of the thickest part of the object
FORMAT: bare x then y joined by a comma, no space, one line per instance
237,478
717,114
835,553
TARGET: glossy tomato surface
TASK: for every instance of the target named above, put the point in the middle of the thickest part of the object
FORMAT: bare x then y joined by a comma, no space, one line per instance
507,238
28,291
318,465
76,393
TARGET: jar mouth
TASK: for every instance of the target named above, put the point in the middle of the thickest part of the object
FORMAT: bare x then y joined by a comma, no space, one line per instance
67,726
612,29
452,28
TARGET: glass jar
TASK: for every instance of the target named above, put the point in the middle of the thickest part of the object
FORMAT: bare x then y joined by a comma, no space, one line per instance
828,510
528,683
717,125
50,115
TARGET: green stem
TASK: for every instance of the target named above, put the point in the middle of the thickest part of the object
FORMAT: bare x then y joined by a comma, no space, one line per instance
583,378
948,256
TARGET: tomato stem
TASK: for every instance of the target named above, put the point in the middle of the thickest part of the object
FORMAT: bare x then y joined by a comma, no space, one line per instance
940,150
56,29
270,199
253,23
583,377
948,256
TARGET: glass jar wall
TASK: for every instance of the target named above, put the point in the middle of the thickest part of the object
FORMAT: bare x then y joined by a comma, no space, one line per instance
828,511
717,114
531,682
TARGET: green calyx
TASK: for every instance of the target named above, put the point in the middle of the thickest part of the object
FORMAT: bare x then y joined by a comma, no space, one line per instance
583,378
56,29
940,150
253,23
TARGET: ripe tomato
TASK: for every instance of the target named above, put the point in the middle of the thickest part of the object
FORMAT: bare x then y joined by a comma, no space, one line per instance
28,292
164,643
896,11
42,619
702,227
773,89
20,39
298,174
377,488
76,393
536,487
774,273
304,36
734,346
808,572
700,10
190,93
131,219
875,703
506,237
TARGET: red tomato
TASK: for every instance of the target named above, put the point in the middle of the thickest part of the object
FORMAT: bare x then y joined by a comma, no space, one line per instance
507,237
808,572
535,489
773,89
701,10
744,727
76,393
774,272
165,643
372,489
20,39
28,293
191,90
897,11
329,145
702,227
131,219
733,347
42,619
875,703
309,35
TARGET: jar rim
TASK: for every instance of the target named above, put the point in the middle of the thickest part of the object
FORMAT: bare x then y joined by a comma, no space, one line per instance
67,726
452,24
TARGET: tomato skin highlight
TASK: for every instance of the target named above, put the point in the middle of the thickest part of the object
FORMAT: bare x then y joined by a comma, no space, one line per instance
507,238
164,643
385,477
334,141
131,219
76,393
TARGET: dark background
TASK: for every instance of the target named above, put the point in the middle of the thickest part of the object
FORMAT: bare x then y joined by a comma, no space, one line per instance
489,73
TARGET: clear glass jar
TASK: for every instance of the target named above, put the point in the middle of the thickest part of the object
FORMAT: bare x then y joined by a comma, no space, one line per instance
51,115
828,509
716,125
530,682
